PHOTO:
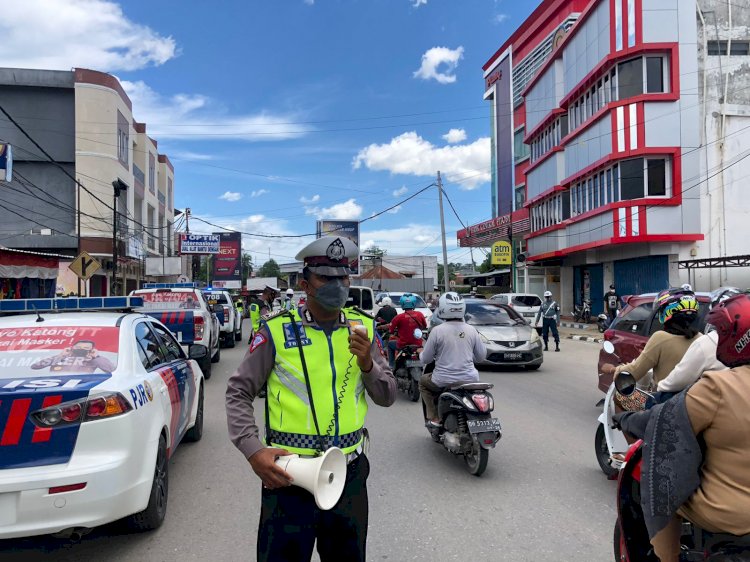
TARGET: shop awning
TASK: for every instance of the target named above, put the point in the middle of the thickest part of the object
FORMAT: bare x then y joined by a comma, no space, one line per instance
18,264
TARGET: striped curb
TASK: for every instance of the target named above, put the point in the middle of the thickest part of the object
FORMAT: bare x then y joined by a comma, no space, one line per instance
575,325
586,338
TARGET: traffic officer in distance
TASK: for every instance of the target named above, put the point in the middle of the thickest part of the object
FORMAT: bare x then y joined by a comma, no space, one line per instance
318,367
550,313
262,306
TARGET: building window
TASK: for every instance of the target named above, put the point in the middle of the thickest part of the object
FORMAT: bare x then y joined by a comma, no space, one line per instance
151,173
719,48
170,202
656,172
630,78
123,150
654,75
648,177
520,148
520,196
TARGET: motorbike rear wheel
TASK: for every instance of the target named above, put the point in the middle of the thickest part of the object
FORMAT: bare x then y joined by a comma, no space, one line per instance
476,461
602,452
414,393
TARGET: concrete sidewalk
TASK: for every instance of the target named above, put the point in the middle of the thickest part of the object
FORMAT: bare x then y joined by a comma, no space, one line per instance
582,332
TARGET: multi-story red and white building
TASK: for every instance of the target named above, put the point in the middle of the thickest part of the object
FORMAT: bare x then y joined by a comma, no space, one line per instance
602,139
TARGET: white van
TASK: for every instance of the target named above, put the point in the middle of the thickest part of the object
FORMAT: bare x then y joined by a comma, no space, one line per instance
526,304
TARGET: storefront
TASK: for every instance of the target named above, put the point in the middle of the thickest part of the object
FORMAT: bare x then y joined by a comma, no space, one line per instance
25,274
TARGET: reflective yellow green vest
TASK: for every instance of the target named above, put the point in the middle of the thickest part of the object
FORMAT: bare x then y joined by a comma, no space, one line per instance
255,316
335,381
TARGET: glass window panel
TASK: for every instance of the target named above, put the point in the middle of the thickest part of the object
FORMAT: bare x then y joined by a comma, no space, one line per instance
654,74
595,199
616,183
657,178
631,181
740,48
630,78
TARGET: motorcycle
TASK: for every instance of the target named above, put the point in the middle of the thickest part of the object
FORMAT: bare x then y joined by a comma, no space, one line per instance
630,537
610,444
582,313
466,425
603,322
408,371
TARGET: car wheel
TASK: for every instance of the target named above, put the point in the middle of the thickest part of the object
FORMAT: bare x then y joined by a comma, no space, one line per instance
532,367
229,340
195,433
217,357
602,452
153,516
206,365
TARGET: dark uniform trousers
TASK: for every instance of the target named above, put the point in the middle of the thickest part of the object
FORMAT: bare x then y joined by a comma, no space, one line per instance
290,522
547,325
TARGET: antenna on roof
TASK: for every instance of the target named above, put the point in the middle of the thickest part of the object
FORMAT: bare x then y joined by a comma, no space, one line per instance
38,315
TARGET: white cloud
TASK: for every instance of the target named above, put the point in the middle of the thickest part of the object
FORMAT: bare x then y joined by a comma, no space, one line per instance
231,196
309,2
406,240
402,191
455,136
348,210
197,117
259,192
500,18
418,3
96,34
467,164
435,57
310,201
187,155
395,210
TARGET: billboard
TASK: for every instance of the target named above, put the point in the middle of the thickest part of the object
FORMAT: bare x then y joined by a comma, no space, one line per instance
227,263
347,229
199,243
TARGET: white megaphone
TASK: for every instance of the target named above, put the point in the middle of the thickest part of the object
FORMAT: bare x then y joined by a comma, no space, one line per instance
324,477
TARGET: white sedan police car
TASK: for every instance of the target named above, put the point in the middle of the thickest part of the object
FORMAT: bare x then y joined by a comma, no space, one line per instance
92,406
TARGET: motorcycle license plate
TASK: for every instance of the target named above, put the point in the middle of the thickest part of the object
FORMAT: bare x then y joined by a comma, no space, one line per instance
528,315
512,356
480,426
412,363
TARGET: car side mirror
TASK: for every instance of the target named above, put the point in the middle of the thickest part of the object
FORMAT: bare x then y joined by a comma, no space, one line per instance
198,352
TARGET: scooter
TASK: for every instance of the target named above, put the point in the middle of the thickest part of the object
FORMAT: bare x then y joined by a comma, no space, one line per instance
603,322
408,371
467,427
630,537
582,313
610,444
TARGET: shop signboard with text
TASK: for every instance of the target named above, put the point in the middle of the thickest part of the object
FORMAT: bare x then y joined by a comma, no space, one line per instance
227,263
200,243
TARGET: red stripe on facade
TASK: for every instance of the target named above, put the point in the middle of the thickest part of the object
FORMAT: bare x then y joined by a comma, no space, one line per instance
612,27
642,219
43,434
638,22
629,221
624,12
615,223
19,411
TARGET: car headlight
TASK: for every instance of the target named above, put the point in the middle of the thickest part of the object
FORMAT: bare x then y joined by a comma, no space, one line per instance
484,339
535,337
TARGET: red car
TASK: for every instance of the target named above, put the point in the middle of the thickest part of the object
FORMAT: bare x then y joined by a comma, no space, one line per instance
632,328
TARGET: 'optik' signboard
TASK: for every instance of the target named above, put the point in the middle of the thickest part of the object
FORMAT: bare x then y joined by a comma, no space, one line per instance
200,243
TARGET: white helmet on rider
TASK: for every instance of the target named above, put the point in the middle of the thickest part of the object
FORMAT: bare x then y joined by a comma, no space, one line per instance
547,294
451,306
386,302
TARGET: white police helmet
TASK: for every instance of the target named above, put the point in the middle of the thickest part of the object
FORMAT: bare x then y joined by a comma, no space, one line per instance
547,294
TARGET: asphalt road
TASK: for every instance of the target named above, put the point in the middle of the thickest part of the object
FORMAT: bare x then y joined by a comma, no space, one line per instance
542,497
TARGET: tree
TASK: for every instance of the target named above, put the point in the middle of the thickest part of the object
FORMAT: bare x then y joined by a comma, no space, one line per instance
452,268
486,266
247,266
375,251
269,269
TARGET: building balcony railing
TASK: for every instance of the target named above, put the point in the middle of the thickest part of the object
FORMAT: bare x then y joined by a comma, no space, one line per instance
162,198
139,175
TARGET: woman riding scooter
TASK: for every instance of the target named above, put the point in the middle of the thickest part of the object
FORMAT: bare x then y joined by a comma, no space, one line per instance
677,310
454,346
716,410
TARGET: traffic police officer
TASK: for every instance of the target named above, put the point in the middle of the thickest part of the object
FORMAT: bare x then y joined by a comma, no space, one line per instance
259,307
550,313
318,368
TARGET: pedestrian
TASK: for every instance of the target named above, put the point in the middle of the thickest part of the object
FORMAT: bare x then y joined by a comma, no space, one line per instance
612,303
550,314
302,354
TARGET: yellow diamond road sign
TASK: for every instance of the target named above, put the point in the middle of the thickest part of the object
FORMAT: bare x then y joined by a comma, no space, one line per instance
84,266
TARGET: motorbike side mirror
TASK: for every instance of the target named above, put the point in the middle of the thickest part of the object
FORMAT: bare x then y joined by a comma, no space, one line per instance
625,383
609,347
417,333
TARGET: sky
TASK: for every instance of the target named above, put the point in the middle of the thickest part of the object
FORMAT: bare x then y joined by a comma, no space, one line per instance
279,113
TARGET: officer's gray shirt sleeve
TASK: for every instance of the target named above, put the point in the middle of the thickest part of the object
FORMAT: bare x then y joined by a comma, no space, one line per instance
242,388
379,382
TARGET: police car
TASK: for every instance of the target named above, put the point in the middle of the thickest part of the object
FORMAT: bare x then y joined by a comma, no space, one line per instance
94,399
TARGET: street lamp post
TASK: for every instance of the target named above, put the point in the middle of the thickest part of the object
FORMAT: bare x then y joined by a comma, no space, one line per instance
119,186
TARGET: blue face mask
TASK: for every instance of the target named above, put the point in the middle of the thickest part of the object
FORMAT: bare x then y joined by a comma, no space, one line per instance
333,295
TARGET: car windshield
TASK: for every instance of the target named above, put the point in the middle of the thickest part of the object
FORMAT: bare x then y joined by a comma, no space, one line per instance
526,300
169,300
397,298
489,314
58,351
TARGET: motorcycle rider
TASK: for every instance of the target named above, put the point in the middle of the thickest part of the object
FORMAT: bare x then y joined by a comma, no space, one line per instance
404,324
383,319
454,346
549,311
677,309
718,408
700,356
612,303
288,304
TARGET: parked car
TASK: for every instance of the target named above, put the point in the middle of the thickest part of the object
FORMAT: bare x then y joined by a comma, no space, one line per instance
231,329
361,297
526,304
92,408
396,298
630,331
508,338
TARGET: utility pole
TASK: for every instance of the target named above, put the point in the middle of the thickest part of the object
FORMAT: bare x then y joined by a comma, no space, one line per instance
424,282
78,208
446,274
119,186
